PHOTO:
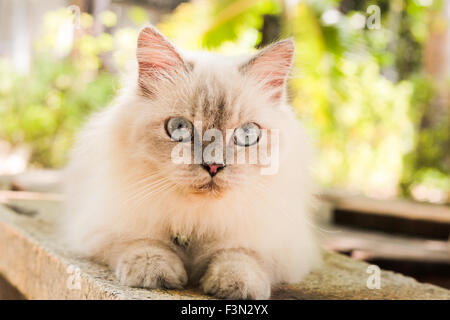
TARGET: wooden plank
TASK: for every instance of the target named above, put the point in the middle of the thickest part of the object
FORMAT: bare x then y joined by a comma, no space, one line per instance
400,208
366,245
6,195
424,259
390,215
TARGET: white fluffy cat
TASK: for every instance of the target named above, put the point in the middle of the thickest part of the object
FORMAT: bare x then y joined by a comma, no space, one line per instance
222,226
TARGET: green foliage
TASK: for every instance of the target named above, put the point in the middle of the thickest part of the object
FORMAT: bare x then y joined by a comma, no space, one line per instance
361,119
368,126
361,92
222,24
45,108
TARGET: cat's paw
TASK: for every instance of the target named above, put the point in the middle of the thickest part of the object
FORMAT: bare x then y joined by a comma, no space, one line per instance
236,280
151,267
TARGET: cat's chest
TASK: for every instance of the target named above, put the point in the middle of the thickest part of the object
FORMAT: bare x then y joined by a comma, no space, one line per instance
181,240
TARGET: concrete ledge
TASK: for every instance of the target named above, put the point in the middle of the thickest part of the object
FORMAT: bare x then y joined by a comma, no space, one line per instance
33,261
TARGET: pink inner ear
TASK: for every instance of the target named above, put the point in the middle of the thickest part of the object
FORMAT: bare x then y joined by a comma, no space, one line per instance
272,66
155,54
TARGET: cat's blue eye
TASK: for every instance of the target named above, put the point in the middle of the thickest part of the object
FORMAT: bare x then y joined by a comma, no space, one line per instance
179,129
246,135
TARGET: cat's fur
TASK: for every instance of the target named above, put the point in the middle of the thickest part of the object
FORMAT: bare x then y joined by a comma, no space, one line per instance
127,202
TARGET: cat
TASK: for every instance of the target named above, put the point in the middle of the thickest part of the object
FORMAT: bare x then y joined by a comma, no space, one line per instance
224,227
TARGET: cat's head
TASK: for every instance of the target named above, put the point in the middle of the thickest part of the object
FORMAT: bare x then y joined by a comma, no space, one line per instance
194,98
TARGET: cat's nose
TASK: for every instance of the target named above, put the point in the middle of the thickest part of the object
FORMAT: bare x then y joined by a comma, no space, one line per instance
213,168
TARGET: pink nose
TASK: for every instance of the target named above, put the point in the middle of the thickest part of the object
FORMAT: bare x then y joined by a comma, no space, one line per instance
212,168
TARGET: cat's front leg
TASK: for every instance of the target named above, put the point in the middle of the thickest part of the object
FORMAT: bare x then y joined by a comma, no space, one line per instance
236,274
150,264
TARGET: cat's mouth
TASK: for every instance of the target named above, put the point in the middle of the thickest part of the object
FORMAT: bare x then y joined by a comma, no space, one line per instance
209,187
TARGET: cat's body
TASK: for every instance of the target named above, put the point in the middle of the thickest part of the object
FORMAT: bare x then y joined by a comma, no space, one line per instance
160,224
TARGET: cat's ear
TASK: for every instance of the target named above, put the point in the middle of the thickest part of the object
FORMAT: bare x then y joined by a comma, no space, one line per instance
157,58
271,66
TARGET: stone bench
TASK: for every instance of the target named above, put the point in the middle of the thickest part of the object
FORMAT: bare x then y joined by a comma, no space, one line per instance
32,260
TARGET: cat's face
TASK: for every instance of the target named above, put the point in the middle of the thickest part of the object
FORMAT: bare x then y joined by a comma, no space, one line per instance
205,122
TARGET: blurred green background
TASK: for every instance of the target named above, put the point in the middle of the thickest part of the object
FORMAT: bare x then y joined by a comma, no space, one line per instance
371,79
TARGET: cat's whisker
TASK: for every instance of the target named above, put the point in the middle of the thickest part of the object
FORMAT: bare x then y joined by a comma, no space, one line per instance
136,184
147,184
143,182
153,193
143,190
141,179
146,189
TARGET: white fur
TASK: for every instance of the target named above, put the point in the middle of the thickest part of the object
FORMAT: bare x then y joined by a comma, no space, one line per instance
269,216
